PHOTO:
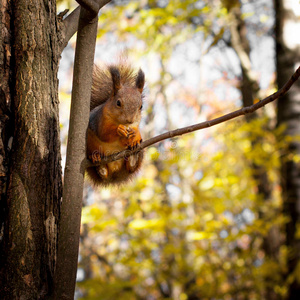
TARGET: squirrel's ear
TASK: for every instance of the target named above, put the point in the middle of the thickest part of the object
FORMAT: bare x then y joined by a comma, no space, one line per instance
140,80
116,79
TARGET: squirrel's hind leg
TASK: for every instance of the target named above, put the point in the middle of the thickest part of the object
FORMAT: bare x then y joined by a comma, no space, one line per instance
102,171
132,163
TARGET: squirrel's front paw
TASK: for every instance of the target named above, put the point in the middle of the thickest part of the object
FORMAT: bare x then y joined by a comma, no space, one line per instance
95,157
125,132
134,143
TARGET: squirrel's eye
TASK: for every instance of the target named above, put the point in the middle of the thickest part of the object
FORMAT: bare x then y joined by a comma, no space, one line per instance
141,107
119,103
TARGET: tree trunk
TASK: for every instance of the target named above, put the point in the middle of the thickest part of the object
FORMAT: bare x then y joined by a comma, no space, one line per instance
288,55
5,101
250,92
32,200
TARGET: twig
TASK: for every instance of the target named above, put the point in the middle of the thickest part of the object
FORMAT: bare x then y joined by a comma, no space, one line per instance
61,15
202,125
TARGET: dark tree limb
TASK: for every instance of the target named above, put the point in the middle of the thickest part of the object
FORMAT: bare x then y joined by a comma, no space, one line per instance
70,23
90,5
202,125
70,216
288,113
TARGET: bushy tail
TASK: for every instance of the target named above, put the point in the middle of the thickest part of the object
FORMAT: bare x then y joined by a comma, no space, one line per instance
102,86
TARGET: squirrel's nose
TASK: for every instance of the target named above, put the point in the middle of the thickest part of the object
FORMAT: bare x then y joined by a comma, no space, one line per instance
129,121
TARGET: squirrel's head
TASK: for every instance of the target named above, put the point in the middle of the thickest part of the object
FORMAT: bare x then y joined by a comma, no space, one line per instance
126,100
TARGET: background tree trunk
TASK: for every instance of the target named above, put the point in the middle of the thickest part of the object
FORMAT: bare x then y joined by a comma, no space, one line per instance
249,87
288,56
31,213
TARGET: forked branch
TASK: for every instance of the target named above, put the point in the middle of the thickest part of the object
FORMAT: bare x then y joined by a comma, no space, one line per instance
70,23
202,125
91,5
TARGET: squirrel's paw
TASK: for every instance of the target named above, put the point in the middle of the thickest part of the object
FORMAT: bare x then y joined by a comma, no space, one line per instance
126,132
135,140
134,143
95,157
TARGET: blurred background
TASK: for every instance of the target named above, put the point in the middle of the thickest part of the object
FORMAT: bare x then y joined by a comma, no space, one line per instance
212,214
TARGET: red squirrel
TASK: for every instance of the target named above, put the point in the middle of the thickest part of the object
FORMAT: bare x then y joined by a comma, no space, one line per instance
115,114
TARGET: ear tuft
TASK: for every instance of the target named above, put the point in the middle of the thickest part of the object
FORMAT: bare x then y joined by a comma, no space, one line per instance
116,79
140,80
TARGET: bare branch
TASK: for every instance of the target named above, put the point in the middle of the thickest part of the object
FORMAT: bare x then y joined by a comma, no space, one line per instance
202,125
70,23
69,26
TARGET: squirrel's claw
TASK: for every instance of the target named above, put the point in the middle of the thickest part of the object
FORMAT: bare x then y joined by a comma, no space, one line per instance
130,133
125,132
134,144
122,131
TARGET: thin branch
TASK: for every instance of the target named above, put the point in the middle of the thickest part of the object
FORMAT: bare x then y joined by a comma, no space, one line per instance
61,15
69,27
202,125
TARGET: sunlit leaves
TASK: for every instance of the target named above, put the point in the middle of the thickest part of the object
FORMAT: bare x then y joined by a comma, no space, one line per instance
195,223
161,28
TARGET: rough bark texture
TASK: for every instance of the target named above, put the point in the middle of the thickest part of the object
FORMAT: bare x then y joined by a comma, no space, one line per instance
288,56
5,101
34,183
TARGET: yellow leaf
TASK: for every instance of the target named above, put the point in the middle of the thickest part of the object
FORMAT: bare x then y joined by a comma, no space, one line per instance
146,224
201,235
207,183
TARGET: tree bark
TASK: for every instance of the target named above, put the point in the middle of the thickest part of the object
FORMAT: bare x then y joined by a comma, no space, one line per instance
287,56
5,101
34,181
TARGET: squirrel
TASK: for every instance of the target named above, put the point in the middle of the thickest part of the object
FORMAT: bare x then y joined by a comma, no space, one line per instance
115,113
